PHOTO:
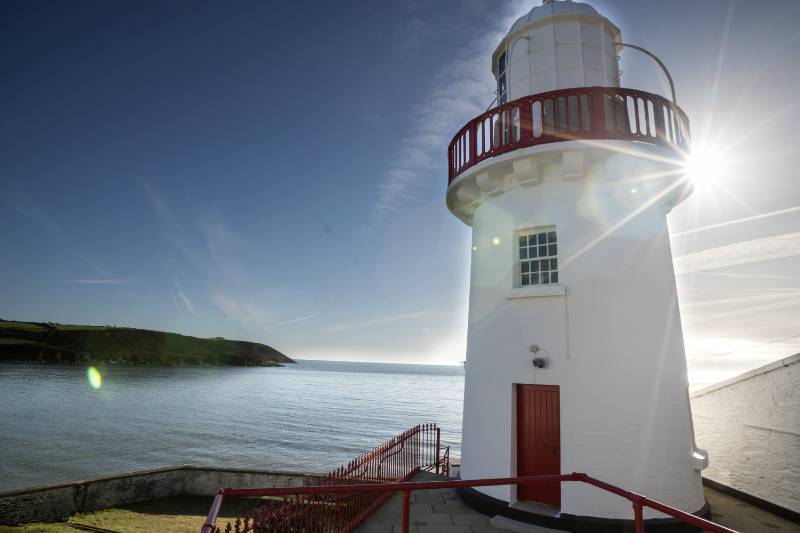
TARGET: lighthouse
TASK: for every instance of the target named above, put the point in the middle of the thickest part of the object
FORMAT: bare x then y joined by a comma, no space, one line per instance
575,356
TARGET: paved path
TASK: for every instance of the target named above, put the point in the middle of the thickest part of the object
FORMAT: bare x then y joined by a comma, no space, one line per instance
431,511
442,511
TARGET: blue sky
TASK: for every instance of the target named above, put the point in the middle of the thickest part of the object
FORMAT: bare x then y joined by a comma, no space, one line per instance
276,172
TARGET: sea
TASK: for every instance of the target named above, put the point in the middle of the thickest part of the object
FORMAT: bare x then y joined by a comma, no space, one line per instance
62,423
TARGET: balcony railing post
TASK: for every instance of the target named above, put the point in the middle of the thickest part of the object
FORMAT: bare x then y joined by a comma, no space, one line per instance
473,150
438,460
526,121
406,499
450,165
598,115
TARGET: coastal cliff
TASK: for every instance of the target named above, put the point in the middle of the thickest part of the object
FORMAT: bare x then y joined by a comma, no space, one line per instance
36,342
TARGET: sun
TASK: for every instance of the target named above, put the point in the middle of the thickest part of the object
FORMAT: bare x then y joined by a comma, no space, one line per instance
706,166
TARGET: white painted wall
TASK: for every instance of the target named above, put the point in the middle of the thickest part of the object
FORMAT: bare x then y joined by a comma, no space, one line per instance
751,427
614,338
569,49
612,330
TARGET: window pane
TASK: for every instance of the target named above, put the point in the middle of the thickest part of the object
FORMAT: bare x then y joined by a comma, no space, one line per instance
525,279
526,267
523,253
523,241
542,238
542,251
554,277
545,277
532,252
554,264
535,266
553,250
535,279
531,239
545,265
551,237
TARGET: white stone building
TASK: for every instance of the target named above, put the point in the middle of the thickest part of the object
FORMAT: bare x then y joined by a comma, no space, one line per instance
750,425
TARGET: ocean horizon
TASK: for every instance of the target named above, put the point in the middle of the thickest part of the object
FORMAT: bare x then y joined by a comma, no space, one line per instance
310,417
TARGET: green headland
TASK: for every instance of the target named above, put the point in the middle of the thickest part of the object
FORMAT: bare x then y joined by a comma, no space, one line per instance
36,342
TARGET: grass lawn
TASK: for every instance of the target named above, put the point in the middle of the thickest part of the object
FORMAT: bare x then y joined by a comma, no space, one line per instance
179,514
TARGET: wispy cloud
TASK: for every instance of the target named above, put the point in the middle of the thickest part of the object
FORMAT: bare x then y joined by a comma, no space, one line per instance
379,321
101,281
292,321
461,90
94,265
172,228
236,309
740,253
738,221
187,302
25,206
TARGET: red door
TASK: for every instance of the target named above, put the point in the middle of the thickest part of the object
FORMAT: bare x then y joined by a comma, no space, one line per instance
538,441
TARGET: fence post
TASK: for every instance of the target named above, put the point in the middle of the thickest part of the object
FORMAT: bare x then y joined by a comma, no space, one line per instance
406,497
438,461
637,514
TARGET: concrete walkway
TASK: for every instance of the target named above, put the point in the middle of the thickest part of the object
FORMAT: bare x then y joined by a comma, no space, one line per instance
431,511
434,511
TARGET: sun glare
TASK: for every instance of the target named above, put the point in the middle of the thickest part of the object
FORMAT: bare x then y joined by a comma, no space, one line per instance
706,166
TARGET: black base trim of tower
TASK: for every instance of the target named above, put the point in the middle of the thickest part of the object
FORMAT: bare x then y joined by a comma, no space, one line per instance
576,524
755,501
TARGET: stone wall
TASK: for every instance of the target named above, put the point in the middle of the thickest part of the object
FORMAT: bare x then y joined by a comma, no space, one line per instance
750,426
59,502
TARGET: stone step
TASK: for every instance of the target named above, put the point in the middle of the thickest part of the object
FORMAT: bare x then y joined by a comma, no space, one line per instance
503,522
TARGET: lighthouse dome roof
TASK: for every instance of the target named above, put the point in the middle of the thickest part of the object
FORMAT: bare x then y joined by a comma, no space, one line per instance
550,8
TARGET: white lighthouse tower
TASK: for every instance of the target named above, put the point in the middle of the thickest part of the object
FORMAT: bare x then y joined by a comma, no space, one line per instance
575,356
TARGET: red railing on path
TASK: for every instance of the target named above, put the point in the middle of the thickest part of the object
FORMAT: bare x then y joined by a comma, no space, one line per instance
638,501
329,509
582,113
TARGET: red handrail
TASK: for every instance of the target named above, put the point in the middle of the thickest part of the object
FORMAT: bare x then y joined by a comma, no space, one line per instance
335,510
638,501
581,113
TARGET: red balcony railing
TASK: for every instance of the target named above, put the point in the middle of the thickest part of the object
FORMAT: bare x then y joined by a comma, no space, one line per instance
582,113
329,509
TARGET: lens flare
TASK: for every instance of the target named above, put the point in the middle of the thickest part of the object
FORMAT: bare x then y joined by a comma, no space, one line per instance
95,378
705,166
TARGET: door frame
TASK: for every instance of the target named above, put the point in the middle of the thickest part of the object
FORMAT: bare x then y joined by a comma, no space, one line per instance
517,388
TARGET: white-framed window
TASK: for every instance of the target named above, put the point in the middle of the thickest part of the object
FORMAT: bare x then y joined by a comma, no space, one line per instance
537,257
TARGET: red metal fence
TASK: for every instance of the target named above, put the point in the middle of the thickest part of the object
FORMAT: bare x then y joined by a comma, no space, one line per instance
582,113
638,501
329,509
